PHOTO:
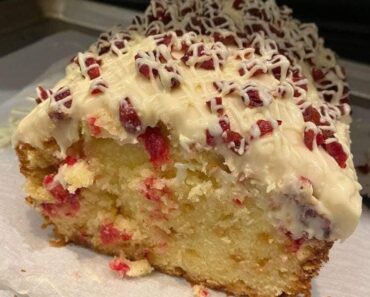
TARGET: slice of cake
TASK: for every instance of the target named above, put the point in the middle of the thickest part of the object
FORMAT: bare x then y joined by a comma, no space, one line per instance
209,140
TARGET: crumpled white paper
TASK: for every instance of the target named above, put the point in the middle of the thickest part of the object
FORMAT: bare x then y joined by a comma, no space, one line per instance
30,267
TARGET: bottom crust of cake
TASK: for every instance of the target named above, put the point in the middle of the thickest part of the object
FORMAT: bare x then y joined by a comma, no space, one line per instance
182,229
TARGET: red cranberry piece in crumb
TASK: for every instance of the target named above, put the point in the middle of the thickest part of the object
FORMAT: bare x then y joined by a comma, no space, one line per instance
70,160
119,266
154,191
156,144
311,114
238,202
129,117
95,130
145,70
335,149
265,127
109,234
295,244
210,140
56,189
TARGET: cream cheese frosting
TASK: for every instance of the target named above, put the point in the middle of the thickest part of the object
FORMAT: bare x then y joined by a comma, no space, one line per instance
242,78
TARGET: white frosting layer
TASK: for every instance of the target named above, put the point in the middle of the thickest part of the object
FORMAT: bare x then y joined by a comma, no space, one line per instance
281,167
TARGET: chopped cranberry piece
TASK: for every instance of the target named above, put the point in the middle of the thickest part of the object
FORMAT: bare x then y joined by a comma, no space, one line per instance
119,266
320,139
42,94
94,129
129,117
236,142
175,83
210,140
69,207
227,40
93,73
309,137
238,202
295,244
156,145
241,71
70,160
224,123
109,234
265,127
317,74
207,65
254,98
56,189
276,72
126,236
335,149
327,133
153,191
145,70
62,94
311,114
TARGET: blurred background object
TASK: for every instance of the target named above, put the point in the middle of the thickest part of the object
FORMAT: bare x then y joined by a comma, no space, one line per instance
344,24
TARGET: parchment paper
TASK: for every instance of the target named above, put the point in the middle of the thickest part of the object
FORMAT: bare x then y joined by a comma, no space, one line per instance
29,266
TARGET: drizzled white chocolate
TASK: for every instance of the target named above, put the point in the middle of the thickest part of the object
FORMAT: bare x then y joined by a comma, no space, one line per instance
248,82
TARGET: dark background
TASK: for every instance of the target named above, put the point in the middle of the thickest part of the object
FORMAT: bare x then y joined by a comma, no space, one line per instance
345,24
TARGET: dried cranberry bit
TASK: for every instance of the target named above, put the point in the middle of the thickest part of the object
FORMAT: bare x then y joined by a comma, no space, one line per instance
295,244
119,266
154,191
236,142
61,101
335,149
265,127
224,123
70,160
95,130
156,144
317,74
238,202
66,204
93,73
109,234
42,94
56,189
309,138
128,116
311,114
210,140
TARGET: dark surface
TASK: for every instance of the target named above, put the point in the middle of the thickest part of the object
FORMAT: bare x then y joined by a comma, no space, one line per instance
344,24
34,31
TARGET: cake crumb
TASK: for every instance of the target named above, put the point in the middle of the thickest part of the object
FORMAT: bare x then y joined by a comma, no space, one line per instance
126,268
200,291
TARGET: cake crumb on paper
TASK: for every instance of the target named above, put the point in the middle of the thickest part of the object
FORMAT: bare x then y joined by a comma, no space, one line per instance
200,291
